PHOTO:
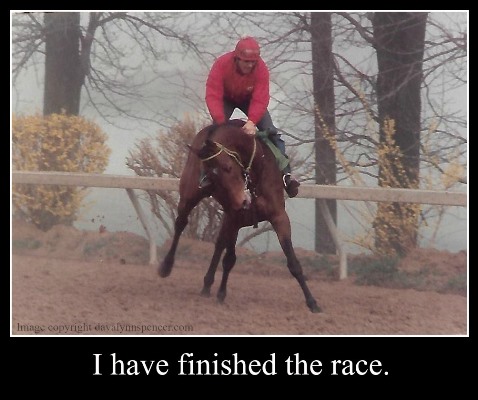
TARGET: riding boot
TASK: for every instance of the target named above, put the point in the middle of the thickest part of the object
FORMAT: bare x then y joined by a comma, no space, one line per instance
291,185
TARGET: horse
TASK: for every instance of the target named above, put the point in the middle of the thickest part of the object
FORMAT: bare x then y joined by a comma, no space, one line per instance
246,181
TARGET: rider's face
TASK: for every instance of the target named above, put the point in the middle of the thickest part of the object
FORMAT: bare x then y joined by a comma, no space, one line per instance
245,66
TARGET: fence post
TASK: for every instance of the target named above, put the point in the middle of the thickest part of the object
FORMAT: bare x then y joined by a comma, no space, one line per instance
324,209
153,258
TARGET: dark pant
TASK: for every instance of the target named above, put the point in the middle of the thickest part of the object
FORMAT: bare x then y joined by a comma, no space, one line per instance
265,124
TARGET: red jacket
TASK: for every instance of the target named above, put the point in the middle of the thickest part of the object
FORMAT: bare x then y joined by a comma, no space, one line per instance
224,82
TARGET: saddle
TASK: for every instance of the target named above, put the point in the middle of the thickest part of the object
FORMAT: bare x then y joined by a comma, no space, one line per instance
281,160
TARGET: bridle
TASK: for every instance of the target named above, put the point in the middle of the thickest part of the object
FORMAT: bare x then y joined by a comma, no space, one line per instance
248,185
235,155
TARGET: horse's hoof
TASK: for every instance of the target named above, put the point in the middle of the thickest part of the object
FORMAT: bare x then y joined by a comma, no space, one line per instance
164,274
315,309
205,293
164,271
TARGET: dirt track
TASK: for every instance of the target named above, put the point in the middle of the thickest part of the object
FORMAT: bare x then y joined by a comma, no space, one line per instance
54,296
67,281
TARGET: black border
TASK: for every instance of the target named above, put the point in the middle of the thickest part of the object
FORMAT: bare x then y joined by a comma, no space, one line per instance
412,363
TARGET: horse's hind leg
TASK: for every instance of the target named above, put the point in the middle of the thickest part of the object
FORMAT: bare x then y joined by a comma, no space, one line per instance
282,227
184,209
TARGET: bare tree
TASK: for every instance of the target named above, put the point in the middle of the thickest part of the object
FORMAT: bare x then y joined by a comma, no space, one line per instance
439,145
400,43
324,98
133,57
64,76
165,156
103,53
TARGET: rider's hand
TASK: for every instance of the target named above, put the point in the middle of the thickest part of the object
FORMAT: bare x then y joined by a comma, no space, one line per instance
249,128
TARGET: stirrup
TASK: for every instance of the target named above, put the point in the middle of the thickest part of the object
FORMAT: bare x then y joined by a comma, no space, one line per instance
284,180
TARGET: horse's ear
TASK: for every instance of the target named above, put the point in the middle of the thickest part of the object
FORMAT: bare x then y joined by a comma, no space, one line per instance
192,149
207,149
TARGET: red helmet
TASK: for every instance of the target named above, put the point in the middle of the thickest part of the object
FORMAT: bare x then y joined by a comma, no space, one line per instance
247,49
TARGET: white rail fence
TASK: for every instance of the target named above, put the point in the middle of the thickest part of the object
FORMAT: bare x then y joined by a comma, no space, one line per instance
322,192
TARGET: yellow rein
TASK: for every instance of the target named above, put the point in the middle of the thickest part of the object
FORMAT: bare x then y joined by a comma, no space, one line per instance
233,154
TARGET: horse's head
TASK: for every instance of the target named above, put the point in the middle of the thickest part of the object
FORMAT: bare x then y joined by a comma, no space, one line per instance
227,170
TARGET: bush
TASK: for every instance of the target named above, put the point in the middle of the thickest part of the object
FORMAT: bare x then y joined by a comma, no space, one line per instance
165,156
56,142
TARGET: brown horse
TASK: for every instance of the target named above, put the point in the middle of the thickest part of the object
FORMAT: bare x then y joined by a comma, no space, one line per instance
247,183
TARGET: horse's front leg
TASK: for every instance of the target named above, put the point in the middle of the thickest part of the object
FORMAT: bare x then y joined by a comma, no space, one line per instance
281,225
230,236
211,272
226,240
184,209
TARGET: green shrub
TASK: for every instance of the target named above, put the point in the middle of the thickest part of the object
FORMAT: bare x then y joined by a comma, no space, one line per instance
56,142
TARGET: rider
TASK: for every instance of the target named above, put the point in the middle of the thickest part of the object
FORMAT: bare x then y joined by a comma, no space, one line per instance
240,79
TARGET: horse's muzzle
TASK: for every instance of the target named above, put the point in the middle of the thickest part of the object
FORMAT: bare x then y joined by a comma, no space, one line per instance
247,200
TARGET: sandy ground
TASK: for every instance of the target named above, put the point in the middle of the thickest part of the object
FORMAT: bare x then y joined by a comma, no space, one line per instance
72,282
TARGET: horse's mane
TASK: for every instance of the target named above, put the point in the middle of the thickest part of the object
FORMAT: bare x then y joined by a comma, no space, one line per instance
226,139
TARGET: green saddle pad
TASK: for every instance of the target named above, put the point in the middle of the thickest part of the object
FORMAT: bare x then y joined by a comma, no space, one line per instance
281,160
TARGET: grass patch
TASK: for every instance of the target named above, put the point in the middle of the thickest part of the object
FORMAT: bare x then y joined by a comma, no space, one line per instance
457,285
26,244
91,248
321,264
382,272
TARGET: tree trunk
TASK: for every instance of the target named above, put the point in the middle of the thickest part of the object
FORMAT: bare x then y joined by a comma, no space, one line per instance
399,40
63,72
324,100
